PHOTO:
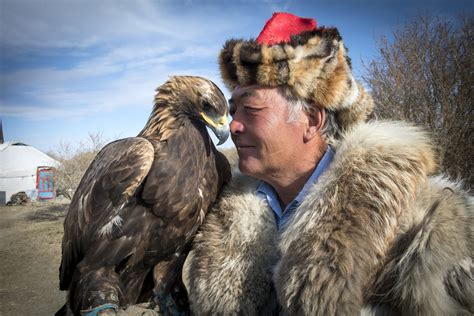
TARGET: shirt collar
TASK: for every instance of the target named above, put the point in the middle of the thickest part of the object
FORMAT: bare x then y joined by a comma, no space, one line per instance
320,168
267,192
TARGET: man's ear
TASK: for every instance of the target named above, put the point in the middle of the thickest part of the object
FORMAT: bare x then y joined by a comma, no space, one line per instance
316,119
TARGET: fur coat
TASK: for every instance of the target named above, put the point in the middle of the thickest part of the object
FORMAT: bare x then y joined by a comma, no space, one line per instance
377,234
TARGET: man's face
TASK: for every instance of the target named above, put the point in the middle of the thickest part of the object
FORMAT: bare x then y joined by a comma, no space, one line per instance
266,142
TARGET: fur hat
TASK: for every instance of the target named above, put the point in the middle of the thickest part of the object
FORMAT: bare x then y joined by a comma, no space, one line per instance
291,51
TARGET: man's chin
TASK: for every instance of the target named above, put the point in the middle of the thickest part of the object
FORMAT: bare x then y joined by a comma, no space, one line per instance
247,166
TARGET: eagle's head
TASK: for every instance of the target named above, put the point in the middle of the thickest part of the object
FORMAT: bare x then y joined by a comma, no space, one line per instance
197,98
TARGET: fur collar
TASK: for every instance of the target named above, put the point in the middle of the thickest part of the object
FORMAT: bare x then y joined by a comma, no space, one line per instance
335,245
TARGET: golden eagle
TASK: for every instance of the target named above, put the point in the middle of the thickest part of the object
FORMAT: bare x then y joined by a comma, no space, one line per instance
140,202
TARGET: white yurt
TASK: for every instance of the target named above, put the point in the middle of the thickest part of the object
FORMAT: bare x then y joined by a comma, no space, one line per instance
25,168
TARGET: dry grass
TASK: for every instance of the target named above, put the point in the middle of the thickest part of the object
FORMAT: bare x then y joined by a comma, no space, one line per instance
30,253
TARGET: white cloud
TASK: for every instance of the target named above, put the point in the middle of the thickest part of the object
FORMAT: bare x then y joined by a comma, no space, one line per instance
82,24
124,76
78,59
64,102
60,96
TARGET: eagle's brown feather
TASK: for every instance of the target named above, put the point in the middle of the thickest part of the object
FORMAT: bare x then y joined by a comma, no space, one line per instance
111,179
141,201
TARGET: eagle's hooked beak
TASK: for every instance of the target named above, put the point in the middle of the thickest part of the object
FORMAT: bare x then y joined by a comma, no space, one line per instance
220,126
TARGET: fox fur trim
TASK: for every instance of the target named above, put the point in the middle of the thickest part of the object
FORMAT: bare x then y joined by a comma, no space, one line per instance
243,256
376,234
314,65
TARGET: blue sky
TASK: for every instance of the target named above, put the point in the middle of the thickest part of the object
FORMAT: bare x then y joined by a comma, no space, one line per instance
69,68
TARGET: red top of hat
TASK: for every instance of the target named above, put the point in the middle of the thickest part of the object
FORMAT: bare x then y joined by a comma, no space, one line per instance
281,26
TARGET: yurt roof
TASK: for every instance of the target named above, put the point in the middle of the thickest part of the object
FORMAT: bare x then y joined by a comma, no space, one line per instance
18,159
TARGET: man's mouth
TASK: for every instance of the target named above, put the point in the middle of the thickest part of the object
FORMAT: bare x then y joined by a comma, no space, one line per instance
239,146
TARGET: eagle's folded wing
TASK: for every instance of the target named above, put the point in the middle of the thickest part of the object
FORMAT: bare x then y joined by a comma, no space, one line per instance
114,176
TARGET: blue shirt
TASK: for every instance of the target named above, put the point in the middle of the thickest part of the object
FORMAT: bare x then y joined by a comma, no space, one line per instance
265,191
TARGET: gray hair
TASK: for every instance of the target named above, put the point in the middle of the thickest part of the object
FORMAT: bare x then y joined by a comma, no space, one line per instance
330,128
297,106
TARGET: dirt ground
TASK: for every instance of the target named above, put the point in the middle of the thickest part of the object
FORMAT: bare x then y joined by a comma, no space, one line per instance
30,254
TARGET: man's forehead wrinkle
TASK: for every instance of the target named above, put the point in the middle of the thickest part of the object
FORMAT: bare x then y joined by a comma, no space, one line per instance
242,94
249,93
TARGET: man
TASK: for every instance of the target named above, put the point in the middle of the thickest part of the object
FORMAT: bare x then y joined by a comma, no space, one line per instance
338,216
284,161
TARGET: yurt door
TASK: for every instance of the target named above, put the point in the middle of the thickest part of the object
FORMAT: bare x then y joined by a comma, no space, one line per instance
44,183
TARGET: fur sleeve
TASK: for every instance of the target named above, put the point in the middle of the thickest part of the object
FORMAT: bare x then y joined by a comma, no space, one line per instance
336,243
429,269
228,272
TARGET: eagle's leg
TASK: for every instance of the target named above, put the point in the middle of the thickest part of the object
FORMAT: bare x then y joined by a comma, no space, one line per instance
97,291
169,291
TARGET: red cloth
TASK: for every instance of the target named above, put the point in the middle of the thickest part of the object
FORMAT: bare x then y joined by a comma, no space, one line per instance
281,26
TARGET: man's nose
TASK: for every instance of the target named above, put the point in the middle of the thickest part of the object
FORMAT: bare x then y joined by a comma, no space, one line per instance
236,127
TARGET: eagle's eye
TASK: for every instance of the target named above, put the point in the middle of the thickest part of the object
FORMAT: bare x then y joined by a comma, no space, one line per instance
206,106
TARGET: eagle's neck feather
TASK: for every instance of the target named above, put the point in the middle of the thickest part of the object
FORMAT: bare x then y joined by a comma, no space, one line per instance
162,121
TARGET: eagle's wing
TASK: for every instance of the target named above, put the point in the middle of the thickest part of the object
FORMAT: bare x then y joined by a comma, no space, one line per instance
223,168
184,180
113,177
